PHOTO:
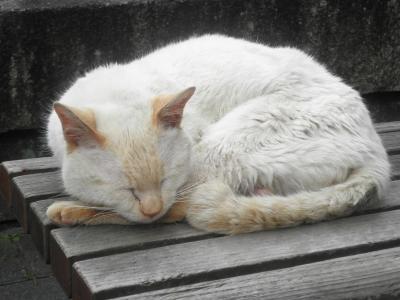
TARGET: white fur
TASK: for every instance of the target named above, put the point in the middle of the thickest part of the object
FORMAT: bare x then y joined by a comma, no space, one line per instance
260,116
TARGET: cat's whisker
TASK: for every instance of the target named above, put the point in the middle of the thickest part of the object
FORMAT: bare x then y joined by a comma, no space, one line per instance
180,201
189,187
99,215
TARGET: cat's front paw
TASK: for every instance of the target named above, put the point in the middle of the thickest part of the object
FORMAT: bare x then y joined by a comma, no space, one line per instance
68,212
176,213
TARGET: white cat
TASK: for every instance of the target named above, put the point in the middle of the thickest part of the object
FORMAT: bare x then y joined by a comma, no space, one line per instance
268,139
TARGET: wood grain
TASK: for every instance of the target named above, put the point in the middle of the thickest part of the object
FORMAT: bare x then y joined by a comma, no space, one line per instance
135,272
71,245
68,245
395,164
11,169
387,127
40,225
391,141
390,201
373,275
41,236
29,188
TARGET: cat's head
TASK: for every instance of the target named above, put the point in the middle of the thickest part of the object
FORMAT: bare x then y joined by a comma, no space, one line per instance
134,169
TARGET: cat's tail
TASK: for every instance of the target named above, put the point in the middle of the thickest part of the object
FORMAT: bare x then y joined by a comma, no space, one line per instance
216,208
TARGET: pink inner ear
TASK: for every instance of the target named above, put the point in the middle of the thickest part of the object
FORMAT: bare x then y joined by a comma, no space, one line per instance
171,114
76,132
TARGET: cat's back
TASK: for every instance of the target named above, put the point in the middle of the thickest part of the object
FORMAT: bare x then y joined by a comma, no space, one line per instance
239,67
227,57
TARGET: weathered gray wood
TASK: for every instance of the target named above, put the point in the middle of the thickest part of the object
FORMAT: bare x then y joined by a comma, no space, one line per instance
373,275
387,126
40,225
390,201
86,247
30,188
391,141
395,164
11,169
135,272
69,245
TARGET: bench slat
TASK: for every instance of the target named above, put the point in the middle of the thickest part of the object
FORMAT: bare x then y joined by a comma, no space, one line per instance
40,225
391,201
34,187
43,226
11,169
135,272
395,164
387,127
391,141
373,275
71,245
74,244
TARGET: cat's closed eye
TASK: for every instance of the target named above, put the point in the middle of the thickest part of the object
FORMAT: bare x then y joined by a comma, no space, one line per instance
132,191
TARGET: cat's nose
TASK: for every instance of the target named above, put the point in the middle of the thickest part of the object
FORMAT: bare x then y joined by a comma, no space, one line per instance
151,206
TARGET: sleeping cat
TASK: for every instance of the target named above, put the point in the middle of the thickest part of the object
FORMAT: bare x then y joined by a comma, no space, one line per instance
232,135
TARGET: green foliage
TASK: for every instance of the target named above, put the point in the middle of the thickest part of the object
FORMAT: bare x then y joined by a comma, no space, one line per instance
12,238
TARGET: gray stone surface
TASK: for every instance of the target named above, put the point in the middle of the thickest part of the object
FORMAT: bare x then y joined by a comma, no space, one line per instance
23,273
19,259
40,289
46,45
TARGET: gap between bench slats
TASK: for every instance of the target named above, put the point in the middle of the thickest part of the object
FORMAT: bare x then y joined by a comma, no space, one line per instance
11,169
68,245
66,248
140,271
373,275
30,188
40,225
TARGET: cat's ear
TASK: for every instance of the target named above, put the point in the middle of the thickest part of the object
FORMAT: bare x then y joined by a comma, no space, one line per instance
169,110
79,126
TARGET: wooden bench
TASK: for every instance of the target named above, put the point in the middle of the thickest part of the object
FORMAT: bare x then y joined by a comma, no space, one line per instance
354,257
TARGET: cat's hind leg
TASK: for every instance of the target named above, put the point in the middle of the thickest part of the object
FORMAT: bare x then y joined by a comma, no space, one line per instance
76,212
275,145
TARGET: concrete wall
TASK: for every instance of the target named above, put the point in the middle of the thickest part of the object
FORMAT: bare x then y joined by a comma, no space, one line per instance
45,45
